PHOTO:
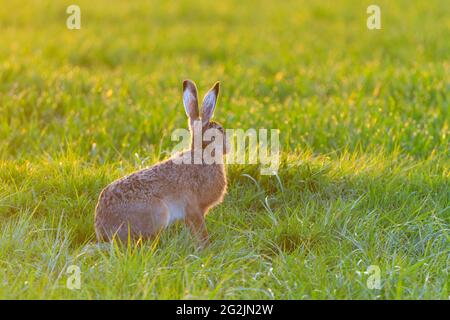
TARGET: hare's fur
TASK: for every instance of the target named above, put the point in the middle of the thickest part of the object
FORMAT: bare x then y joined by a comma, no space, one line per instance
143,203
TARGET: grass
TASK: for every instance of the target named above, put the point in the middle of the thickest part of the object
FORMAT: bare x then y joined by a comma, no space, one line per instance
364,129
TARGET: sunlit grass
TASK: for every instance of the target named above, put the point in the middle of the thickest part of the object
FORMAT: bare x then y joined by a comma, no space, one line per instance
363,120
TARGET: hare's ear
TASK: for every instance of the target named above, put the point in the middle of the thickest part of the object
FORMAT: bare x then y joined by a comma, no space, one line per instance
190,100
209,103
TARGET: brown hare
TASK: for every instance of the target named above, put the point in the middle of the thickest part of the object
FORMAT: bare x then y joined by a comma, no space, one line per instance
140,205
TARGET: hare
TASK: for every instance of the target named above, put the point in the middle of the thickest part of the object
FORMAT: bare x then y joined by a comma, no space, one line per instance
140,205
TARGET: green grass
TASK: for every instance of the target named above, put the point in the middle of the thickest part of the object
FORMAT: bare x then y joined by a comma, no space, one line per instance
364,128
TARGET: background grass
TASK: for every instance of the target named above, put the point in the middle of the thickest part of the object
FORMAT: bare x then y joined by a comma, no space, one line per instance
363,118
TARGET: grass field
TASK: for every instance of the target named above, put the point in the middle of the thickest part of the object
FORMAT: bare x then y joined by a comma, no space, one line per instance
364,128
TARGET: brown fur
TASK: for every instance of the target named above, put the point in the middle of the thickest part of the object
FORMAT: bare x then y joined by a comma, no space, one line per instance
141,204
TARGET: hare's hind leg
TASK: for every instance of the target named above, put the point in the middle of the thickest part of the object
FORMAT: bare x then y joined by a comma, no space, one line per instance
141,219
195,219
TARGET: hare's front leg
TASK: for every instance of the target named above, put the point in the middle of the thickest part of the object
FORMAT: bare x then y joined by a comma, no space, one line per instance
195,219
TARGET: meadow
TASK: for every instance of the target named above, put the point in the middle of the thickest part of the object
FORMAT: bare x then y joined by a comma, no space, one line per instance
364,130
